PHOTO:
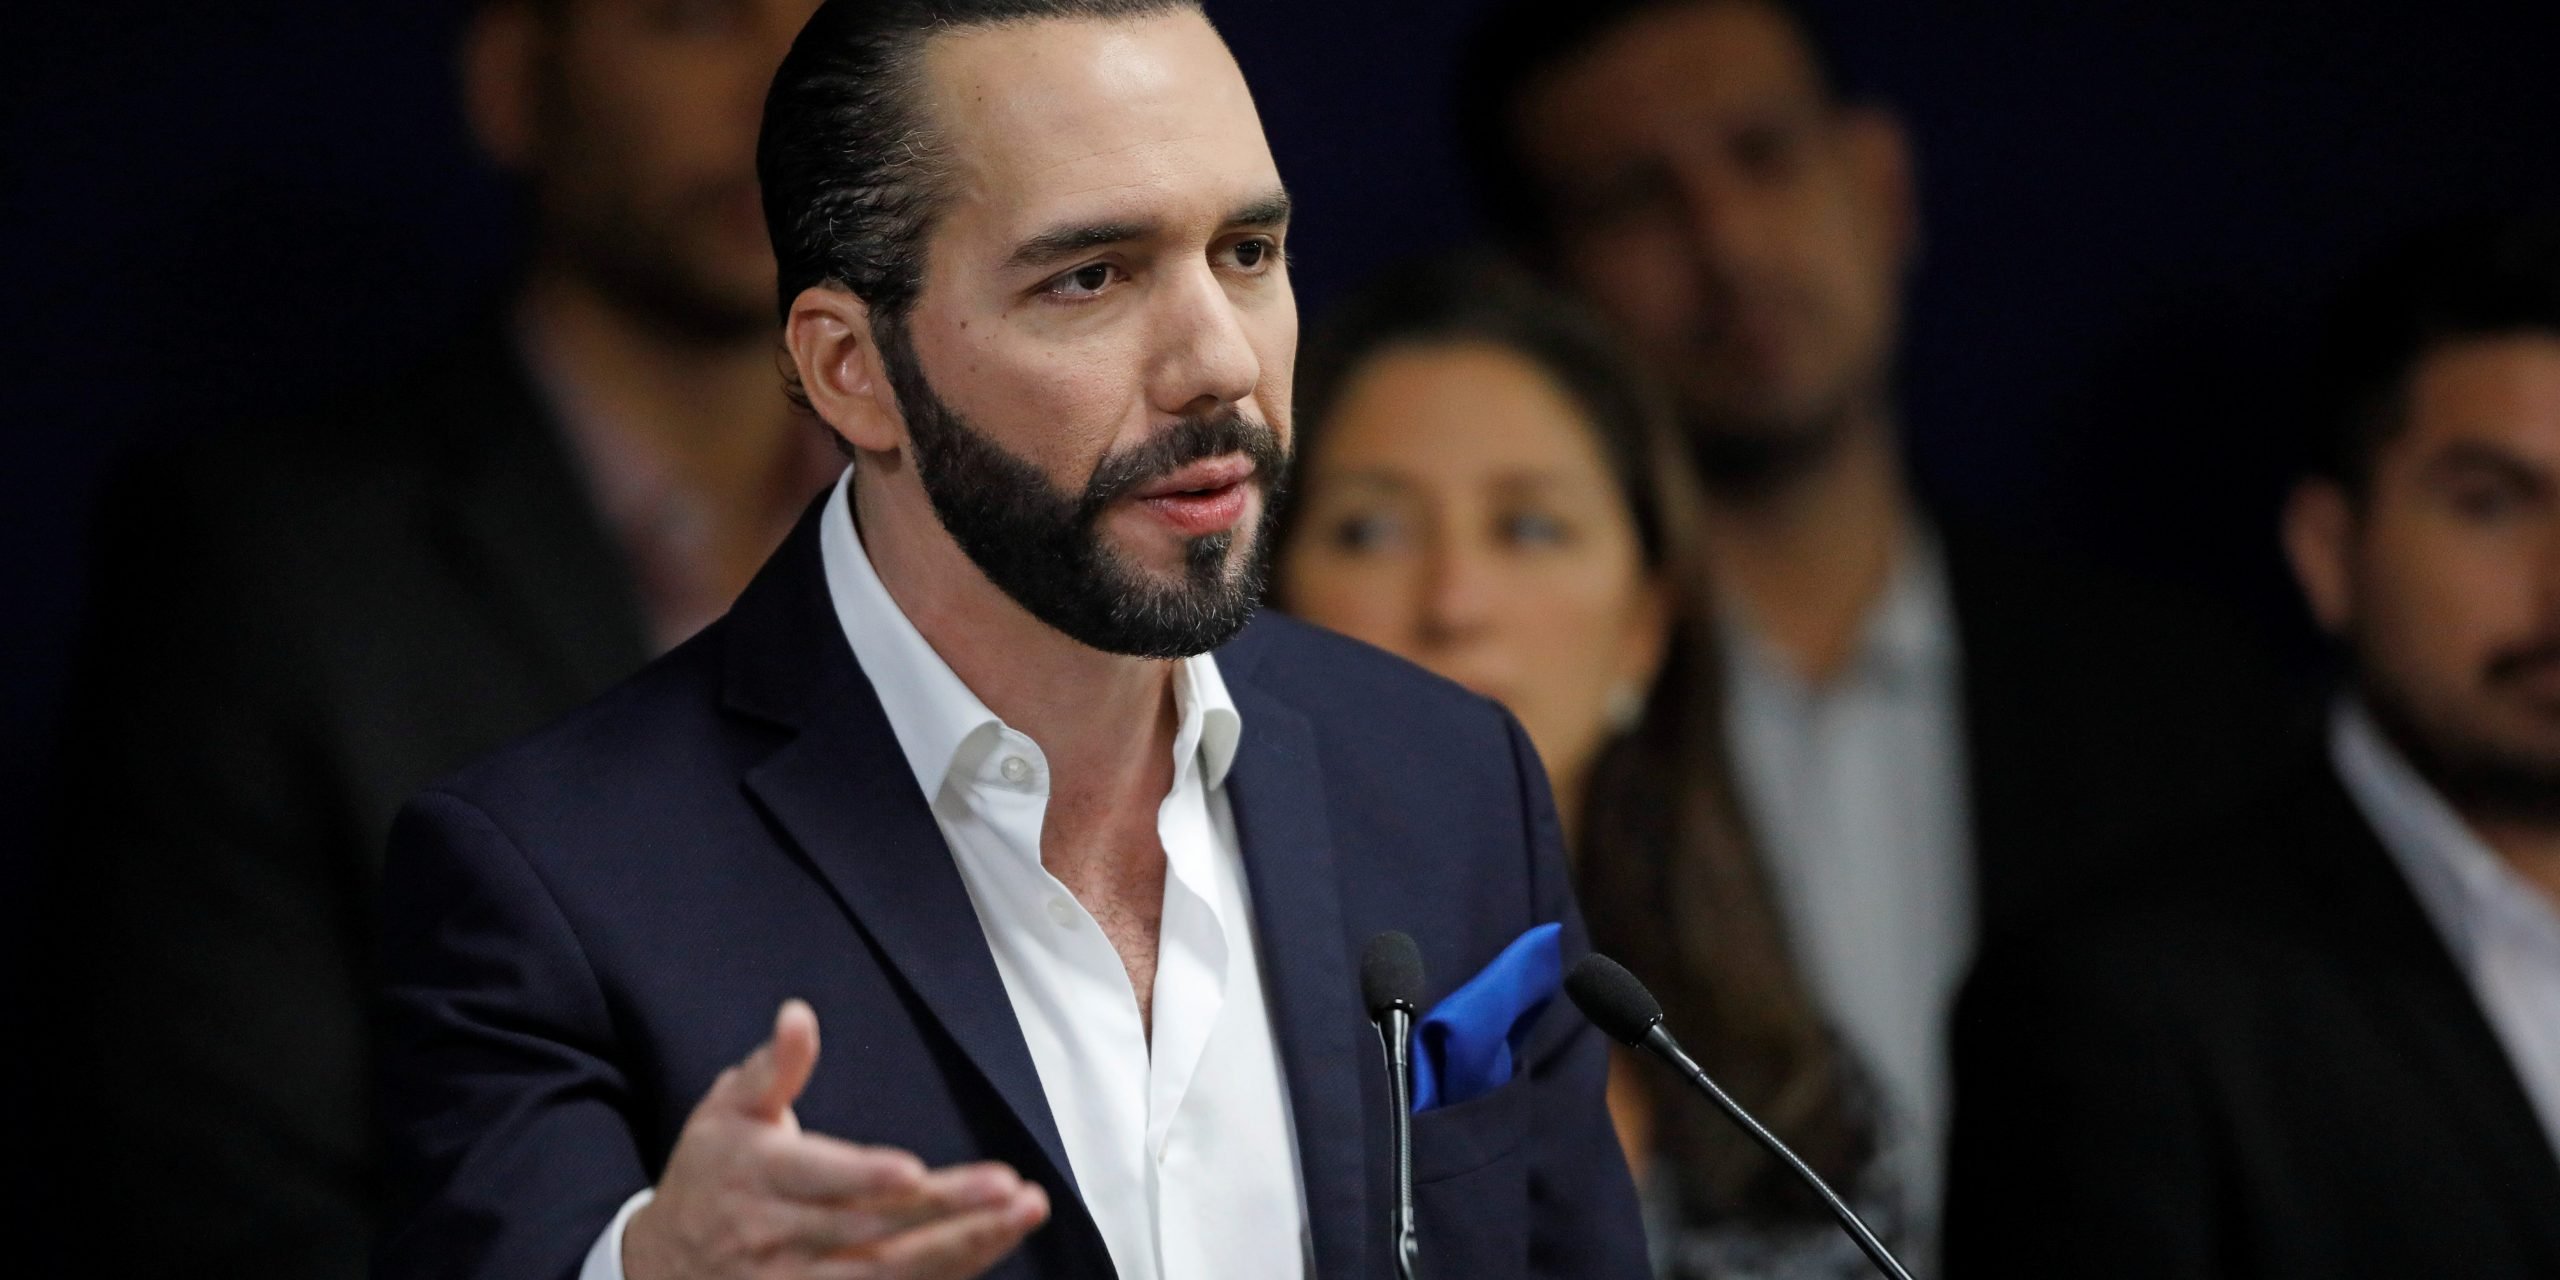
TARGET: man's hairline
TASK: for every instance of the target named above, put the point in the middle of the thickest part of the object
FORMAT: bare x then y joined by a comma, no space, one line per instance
925,133
2390,418
1832,99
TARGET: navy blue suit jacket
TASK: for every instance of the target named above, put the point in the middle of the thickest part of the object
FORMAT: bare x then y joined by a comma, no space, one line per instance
584,929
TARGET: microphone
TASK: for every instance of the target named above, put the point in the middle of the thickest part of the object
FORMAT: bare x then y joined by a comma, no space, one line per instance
1391,985
1626,1012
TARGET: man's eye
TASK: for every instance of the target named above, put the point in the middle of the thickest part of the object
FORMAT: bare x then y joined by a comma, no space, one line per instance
1367,532
1254,255
1534,529
2486,503
1621,198
1083,282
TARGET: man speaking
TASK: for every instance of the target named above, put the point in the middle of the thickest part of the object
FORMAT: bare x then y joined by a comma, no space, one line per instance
988,774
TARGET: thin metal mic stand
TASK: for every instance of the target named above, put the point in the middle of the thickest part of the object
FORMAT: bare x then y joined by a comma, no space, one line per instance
1661,1044
1395,1035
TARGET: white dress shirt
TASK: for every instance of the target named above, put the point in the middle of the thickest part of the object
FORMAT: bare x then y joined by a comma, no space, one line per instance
2503,932
1856,791
1181,1148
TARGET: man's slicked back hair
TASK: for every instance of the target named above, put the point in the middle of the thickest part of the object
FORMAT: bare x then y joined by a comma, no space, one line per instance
2476,278
849,161
1519,43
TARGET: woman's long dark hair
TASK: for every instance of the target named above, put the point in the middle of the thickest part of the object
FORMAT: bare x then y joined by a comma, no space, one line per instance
1668,875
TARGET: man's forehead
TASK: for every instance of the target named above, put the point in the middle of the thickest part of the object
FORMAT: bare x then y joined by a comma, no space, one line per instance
2498,394
1098,116
1674,70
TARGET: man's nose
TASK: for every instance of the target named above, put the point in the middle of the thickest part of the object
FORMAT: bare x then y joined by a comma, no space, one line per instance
1209,362
1458,591
1725,226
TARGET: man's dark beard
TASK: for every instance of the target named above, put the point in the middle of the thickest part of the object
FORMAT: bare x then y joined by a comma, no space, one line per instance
2476,778
1755,462
1746,457
1044,548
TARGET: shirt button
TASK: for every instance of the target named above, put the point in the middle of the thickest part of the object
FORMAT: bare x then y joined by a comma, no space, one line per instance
1015,768
1062,911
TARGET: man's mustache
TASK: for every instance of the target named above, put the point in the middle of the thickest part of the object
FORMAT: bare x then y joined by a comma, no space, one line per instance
1186,442
2526,661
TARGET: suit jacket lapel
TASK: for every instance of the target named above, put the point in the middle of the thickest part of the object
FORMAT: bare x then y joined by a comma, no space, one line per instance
1277,794
2426,1005
840,787
521,522
848,800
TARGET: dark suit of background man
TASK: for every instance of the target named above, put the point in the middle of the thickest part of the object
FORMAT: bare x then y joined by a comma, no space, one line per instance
2332,1048
1934,729
987,772
300,623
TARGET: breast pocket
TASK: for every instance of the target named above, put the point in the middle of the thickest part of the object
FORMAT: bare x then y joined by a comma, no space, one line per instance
1471,1185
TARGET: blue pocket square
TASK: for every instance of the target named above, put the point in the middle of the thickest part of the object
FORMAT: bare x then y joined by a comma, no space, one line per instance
1463,1048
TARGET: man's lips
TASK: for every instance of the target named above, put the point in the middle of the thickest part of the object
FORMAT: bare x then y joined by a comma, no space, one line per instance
1201,477
1203,498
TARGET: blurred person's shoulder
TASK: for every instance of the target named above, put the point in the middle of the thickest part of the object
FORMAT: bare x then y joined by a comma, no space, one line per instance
2011,593
2233,914
432,527
394,580
632,761
2100,714
363,459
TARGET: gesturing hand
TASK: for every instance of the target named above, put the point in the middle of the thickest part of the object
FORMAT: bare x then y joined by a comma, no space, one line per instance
747,1194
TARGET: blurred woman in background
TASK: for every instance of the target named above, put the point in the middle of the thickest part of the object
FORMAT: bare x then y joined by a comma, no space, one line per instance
1485,488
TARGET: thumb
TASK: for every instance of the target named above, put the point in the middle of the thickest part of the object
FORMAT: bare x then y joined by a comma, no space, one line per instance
771,1078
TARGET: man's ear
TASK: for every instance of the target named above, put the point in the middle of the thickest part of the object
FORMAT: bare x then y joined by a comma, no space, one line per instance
501,75
837,355
1881,162
2319,538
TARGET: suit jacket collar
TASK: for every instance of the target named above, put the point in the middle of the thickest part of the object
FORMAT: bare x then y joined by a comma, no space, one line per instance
1277,792
842,790
2360,910
520,522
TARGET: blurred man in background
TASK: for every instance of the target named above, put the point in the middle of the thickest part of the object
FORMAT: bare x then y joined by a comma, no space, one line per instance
298,624
2334,1049
1933,730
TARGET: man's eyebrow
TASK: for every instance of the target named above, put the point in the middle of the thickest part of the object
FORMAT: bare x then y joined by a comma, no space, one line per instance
1072,240
1262,212
2473,457
1057,244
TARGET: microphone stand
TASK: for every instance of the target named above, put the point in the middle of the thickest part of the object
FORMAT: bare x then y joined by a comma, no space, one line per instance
1660,1043
1395,1035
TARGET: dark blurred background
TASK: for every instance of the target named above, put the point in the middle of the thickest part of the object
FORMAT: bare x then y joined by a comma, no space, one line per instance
2135,213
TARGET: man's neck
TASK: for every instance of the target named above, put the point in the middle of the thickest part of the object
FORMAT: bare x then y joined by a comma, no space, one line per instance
713,411
1808,560
1104,721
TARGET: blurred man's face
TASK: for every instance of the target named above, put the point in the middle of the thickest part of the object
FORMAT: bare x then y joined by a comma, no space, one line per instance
637,131
2446,578
1099,396
1745,231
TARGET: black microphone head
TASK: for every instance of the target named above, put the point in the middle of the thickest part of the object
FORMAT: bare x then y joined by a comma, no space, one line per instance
1391,974
1613,999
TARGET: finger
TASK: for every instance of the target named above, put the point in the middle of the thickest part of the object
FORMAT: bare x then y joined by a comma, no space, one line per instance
962,1245
818,1168
770,1080
861,1226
